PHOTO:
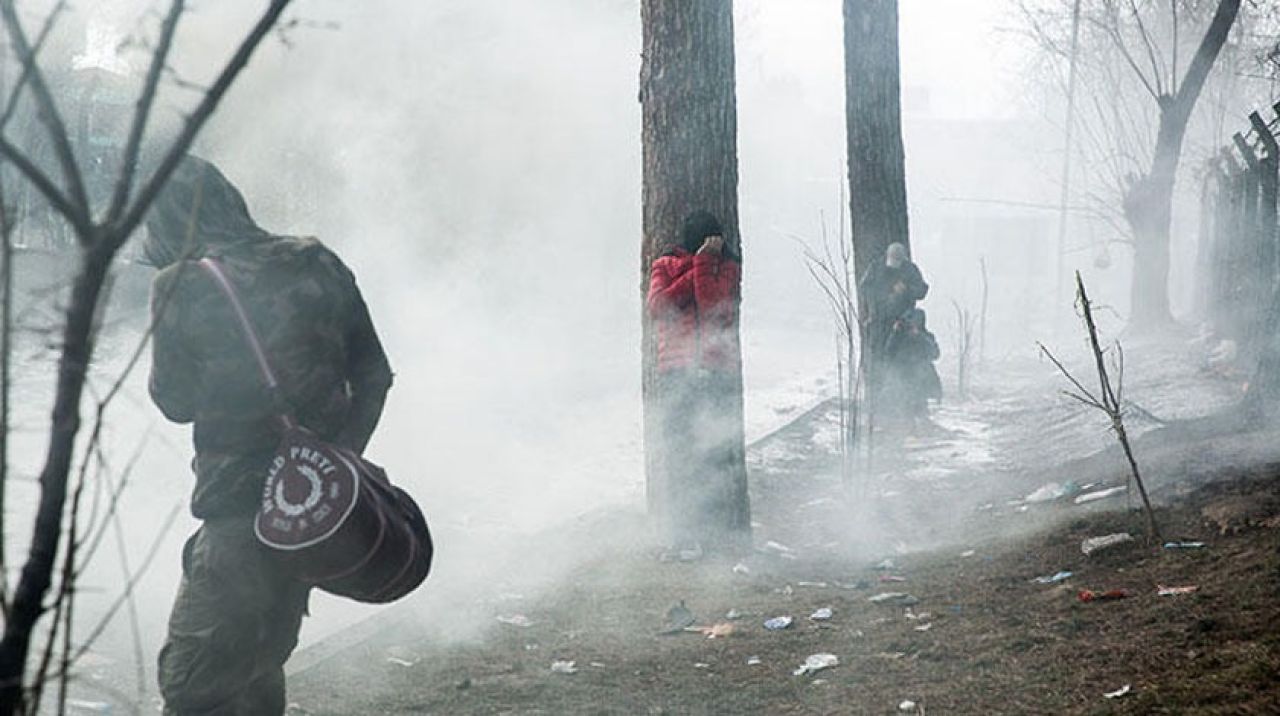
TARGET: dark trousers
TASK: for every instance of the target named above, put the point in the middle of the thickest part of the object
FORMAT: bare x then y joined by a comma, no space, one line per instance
233,626
698,431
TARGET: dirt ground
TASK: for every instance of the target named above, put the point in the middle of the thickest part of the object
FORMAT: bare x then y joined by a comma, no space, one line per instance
981,637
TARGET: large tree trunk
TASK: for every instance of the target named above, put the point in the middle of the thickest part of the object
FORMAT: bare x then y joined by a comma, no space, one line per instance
1148,203
873,114
689,136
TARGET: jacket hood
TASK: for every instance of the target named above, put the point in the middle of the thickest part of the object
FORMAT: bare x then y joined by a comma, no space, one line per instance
198,211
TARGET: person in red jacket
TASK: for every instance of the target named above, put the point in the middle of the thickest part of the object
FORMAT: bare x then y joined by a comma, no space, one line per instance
693,301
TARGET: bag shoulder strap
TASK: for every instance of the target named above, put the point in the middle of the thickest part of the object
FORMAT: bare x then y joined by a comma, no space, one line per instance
246,328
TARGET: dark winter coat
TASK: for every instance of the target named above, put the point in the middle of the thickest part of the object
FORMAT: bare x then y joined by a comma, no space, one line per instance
910,353
880,283
693,300
885,305
314,327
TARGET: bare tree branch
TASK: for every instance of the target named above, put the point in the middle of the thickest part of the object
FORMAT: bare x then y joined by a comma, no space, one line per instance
1109,400
1198,71
99,244
1173,73
38,178
142,111
1114,33
196,121
52,119
16,93
1148,42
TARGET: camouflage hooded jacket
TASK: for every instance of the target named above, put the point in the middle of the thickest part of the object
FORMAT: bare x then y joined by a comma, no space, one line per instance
314,327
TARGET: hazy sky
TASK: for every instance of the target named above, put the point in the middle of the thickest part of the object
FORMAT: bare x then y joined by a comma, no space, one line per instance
951,47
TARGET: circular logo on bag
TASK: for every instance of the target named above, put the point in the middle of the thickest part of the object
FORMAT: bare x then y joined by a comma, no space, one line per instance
309,492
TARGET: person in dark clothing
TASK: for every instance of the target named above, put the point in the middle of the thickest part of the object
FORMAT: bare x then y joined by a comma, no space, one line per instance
693,301
891,289
236,617
911,379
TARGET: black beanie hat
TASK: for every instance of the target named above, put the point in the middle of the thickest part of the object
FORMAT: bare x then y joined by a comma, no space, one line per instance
698,226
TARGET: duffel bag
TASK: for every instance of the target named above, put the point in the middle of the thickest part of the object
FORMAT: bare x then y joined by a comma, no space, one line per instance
333,519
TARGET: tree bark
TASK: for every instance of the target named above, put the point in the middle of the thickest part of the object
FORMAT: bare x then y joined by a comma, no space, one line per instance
690,162
873,115
1148,202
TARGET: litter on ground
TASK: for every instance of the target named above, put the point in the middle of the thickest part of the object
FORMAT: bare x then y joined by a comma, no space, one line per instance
1100,495
718,631
1053,578
1089,595
679,618
1122,691
563,667
1047,493
775,547
777,623
1094,544
816,663
901,598
1164,591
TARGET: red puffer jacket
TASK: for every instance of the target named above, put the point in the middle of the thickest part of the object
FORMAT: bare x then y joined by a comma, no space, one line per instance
693,299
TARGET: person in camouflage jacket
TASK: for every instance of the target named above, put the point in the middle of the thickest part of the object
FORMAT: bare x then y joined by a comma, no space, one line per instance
236,618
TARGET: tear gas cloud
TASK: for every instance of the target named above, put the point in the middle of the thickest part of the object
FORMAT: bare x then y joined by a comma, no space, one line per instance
477,163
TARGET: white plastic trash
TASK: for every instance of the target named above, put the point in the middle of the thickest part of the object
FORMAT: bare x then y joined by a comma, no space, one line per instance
1122,691
1100,494
816,663
564,667
1093,544
1047,493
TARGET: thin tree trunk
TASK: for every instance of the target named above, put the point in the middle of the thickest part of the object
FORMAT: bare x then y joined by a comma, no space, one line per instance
37,573
873,115
1065,190
6,387
690,162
